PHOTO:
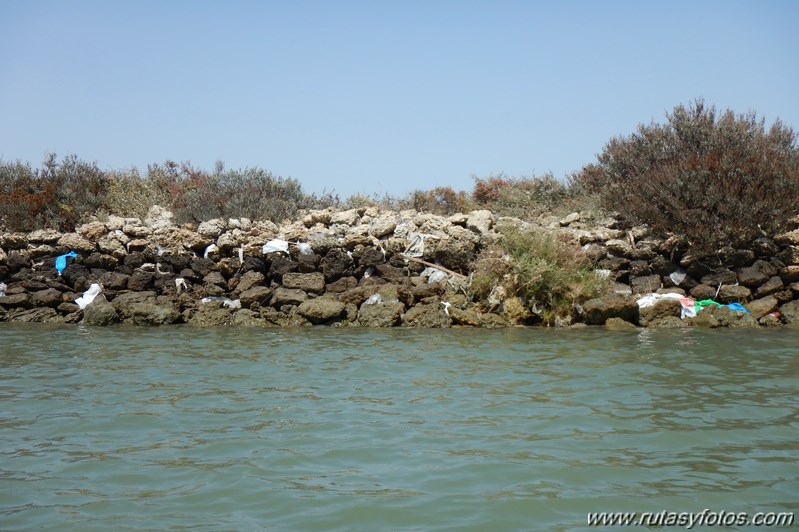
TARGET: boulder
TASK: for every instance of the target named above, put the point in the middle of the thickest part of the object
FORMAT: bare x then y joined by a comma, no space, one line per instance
287,296
22,299
44,236
141,281
791,238
618,324
249,280
49,297
148,313
308,282
100,312
480,221
35,315
321,310
92,231
733,294
760,307
756,274
598,311
645,284
77,243
158,218
381,314
212,228
652,316
790,313
258,295
349,217
383,225
429,315
336,264
772,286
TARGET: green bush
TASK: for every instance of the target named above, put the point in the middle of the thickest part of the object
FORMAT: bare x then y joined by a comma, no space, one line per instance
716,178
535,265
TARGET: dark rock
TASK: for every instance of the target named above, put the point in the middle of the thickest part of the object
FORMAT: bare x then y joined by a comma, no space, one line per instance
790,313
653,315
100,260
250,279
287,296
67,307
426,316
308,263
465,318
190,275
257,295
202,267
425,290
21,300
140,281
640,268
598,311
358,295
133,297
135,260
50,297
391,273
100,312
253,264
772,286
756,274
114,281
341,285
618,324
17,260
73,273
177,260
646,284
337,264
369,257
210,315
493,321
723,277
281,265
381,314
247,318
215,278
321,310
703,291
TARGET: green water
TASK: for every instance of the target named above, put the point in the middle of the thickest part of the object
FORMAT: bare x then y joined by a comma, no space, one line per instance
326,429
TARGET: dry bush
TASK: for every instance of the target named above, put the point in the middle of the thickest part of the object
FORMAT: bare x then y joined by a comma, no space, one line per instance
441,200
717,178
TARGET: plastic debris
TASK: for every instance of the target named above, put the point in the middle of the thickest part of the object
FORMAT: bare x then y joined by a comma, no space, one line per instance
446,304
241,255
375,299
415,246
709,302
276,246
650,300
369,272
210,249
677,276
61,261
88,296
180,284
434,275
3,287
688,309
226,302
305,248
602,273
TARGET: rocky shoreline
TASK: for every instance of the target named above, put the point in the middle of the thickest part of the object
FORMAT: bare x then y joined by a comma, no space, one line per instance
372,268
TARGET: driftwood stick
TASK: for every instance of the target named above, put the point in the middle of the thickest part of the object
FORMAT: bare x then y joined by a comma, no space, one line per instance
420,261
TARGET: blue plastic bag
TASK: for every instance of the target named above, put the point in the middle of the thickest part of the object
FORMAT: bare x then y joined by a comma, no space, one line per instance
61,261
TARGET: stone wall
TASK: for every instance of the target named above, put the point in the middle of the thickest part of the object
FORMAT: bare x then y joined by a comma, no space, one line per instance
364,267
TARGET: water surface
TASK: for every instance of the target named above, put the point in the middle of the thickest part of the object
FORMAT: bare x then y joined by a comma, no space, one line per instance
324,429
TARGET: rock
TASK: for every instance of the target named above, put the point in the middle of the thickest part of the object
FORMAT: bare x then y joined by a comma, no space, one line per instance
36,315
287,296
336,264
466,318
733,294
349,217
703,291
341,285
21,299
308,282
620,248
210,315
212,228
381,314
280,265
92,231
257,295
100,312
664,308
569,219
646,284
102,261
791,238
760,307
77,243
790,255
49,297
158,218
492,321
705,319
17,260
148,313
790,313
249,280
430,315
140,281
321,309
618,324
772,286
247,318
114,244
790,274
317,217
756,274
44,236
383,225
214,278
133,297
480,221
598,311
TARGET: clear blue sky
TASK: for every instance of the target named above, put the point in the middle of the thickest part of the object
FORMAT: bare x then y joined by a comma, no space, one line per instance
378,96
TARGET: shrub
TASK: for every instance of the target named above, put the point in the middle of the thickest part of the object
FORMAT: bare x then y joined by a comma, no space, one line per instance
716,178
441,200
130,194
59,195
544,271
527,198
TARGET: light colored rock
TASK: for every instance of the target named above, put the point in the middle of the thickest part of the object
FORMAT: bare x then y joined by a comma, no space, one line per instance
380,315
137,231
212,228
349,217
77,243
44,236
92,231
480,221
158,218
789,238
308,282
568,220
321,309
114,244
317,217
383,225
760,307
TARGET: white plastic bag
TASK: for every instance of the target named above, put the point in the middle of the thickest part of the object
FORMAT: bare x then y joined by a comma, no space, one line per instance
375,299
276,245
88,296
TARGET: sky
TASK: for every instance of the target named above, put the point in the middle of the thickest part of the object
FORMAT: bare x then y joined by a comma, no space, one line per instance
378,97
